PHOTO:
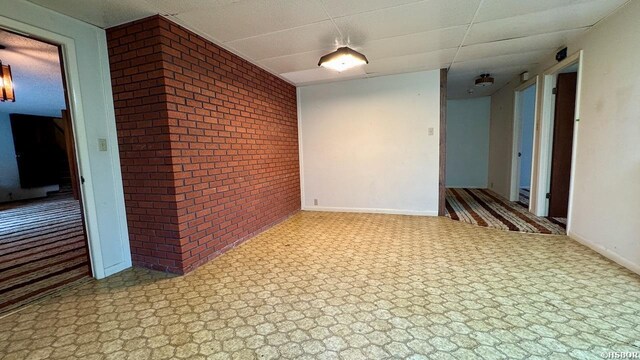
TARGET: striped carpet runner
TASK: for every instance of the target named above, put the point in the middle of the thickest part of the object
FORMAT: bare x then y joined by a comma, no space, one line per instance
485,208
42,248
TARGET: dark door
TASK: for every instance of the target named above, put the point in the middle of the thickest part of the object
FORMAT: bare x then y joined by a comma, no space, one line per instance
562,144
37,152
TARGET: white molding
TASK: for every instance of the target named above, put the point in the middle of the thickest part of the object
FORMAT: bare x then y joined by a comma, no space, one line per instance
516,139
606,252
82,142
300,147
370,211
574,149
545,144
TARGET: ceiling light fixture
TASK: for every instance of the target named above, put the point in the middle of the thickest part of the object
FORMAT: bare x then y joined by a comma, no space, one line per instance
484,80
6,83
342,59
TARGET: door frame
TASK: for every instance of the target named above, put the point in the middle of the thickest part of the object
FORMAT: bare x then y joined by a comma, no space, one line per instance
514,194
71,76
544,130
442,186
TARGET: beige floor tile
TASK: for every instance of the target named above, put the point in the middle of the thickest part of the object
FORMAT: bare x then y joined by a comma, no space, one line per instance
350,286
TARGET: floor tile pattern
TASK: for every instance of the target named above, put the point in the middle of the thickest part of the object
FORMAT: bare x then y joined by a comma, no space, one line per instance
350,286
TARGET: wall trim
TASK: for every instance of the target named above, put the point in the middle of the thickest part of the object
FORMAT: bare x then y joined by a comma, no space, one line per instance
300,153
370,211
606,252
442,175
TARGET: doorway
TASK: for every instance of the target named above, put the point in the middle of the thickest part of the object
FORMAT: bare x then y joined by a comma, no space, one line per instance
562,144
554,152
524,124
43,241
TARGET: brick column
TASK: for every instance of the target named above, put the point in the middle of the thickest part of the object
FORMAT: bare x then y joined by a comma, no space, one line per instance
208,144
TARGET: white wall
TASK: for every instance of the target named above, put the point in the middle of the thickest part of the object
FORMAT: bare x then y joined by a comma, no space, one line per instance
365,144
10,189
92,107
606,193
468,142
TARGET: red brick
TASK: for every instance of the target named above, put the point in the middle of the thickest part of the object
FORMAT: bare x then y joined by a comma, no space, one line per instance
226,165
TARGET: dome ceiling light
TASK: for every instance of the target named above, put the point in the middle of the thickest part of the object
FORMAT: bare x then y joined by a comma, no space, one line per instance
484,80
343,59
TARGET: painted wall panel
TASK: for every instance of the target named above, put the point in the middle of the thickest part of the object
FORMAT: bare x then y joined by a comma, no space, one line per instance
468,142
367,146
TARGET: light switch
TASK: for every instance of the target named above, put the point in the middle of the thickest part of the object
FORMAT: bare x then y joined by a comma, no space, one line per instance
102,144
430,131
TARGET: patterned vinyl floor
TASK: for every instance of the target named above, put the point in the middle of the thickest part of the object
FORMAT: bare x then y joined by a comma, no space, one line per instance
350,286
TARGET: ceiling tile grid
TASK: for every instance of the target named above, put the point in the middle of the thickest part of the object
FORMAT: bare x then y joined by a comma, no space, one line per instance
287,37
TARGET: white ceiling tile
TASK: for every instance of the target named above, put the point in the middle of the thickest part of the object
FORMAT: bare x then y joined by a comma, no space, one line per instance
254,17
406,19
427,61
546,42
321,74
337,8
564,18
173,7
101,13
414,43
289,36
316,36
296,62
499,9
493,64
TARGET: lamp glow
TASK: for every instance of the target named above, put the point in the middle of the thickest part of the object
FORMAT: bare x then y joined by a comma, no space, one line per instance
343,59
6,84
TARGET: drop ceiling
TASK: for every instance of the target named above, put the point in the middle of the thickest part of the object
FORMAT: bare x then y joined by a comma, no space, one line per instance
287,37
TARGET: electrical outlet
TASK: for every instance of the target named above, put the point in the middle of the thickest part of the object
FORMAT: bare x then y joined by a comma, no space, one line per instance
315,202
430,131
102,144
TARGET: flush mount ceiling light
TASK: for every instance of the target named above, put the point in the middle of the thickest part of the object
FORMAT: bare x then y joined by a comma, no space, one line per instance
484,80
342,59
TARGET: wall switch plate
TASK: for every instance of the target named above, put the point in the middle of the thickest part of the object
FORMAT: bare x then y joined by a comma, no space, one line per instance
315,201
102,144
430,131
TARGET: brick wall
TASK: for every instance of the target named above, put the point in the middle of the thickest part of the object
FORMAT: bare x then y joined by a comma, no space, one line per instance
208,144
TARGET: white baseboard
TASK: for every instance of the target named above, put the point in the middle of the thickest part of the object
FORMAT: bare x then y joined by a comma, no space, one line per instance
606,252
371,211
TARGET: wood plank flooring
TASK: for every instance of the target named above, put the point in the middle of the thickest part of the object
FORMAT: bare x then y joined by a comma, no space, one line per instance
42,248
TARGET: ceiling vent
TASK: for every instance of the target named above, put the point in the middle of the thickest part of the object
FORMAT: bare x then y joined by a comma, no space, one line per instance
484,80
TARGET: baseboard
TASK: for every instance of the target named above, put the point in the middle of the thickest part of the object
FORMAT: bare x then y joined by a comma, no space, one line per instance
467,187
606,252
371,211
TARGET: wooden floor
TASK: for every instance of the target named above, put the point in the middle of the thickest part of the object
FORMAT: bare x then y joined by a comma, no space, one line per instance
42,248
